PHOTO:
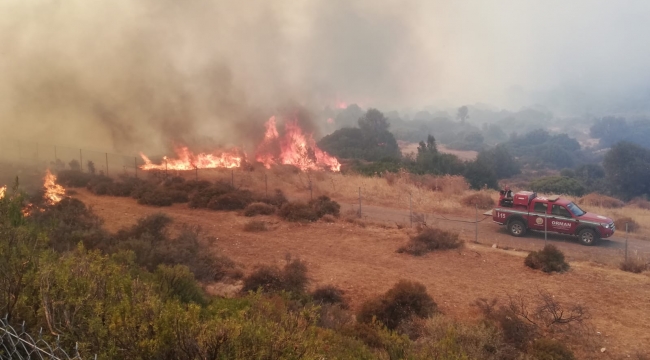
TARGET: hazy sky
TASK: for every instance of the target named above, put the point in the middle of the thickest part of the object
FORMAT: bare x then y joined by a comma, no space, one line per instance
127,74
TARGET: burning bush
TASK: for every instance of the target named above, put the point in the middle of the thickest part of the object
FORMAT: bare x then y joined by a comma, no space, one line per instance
632,225
259,208
255,226
298,211
594,199
480,199
404,300
634,265
324,205
430,240
548,260
155,198
293,278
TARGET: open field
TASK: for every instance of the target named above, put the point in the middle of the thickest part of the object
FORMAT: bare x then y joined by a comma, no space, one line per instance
363,262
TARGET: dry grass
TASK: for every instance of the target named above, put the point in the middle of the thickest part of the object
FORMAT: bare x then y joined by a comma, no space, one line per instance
634,265
255,226
632,226
641,203
480,199
603,201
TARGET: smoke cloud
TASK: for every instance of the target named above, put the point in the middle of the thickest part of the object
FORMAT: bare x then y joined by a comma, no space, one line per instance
130,75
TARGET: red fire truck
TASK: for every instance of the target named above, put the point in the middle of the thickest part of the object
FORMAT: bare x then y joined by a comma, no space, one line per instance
525,211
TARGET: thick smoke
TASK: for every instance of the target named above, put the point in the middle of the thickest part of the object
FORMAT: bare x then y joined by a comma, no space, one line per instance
130,75
133,75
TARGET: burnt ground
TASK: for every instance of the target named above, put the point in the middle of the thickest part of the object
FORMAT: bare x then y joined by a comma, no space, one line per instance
363,262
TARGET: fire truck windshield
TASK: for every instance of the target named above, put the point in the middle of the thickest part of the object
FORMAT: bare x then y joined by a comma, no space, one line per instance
575,210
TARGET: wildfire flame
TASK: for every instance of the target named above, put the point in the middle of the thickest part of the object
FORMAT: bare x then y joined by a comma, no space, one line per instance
296,149
3,190
53,191
186,160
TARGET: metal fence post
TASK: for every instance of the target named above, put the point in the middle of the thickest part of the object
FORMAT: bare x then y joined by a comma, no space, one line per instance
359,201
81,161
135,162
196,170
411,209
106,164
626,236
476,224
232,177
266,186
311,191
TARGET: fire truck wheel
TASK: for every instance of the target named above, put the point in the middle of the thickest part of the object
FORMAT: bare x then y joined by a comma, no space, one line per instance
587,237
516,228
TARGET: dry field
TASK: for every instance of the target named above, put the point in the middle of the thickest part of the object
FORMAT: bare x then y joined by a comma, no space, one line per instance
362,260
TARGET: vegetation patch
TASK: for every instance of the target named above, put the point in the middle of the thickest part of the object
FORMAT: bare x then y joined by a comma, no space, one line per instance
298,211
480,199
292,278
431,240
558,185
595,199
329,294
404,300
549,259
550,349
259,208
632,225
634,265
255,226
323,205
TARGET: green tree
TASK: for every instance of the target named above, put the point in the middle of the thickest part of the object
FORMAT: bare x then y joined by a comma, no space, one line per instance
480,175
558,185
627,168
462,114
500,160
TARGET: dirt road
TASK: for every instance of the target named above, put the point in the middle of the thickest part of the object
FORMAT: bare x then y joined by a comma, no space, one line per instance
610,252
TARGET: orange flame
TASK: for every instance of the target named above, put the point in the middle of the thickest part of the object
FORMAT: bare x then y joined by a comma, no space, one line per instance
296,149
53,191
186,160
3,190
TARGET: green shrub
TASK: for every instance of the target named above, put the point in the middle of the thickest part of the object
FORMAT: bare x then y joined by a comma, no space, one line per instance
558,185
73,178
255,226
329,294
404,300
323,205
177,196
548,349
293,278
202,197
548,260
277,199
298,211
156,198
430,240
234,200
178,282
259,208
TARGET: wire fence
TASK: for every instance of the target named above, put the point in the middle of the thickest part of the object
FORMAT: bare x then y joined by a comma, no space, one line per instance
16,343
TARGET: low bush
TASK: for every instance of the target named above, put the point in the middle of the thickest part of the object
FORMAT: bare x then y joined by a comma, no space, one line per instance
255,226
298,211
202,196
73,178
595,199
323,205
259,208
177,196
328,219
277,199
430,240
549,259
329,294
632,225
404,300
293,278
634,265
480,199
641,203
558,185
156,198
234,200
548,349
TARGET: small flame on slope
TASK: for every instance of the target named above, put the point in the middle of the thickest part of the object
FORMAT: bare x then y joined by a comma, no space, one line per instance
53,191
3,191
186,160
